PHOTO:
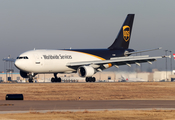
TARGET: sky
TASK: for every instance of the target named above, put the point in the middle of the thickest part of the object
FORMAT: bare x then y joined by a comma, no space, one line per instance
60,24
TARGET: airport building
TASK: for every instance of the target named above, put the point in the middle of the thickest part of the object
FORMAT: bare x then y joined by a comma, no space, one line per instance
100,76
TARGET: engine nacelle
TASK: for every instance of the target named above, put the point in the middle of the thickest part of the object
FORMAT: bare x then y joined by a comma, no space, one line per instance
86,71
23,74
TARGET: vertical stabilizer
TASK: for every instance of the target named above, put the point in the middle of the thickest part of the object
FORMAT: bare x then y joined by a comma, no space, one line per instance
123,38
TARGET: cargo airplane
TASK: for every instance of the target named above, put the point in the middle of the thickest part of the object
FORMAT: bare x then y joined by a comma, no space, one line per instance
85,62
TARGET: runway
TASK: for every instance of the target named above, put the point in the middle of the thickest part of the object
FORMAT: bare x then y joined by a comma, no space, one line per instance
26,106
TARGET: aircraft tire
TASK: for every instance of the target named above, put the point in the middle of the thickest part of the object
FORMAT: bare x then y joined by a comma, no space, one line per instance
93,79
59,79
56,80
53,80
87,79
90,79
30,81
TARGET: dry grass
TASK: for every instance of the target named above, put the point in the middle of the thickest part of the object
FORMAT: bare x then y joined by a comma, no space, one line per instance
91,91
100,115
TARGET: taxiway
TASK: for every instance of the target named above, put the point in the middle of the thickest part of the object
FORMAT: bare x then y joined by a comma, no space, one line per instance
26,106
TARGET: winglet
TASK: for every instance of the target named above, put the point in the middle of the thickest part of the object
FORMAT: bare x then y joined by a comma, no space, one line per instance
167,56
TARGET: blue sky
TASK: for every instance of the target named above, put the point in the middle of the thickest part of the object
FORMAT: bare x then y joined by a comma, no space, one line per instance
59,24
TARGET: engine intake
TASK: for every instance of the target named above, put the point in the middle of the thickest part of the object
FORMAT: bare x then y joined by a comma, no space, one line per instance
86,71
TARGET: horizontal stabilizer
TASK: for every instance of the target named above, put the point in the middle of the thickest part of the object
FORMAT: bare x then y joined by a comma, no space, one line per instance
129,53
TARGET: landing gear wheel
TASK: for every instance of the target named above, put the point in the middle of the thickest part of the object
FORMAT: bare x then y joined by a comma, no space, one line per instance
87,79
56,79
53,80
90,79
93,79
59,79
30,79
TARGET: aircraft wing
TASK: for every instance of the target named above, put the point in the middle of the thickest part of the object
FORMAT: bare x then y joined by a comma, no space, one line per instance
118,61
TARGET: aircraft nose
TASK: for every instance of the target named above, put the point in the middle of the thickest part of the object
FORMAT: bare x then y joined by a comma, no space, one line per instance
19,64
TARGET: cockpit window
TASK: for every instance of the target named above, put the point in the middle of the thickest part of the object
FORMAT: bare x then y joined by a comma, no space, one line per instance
24,57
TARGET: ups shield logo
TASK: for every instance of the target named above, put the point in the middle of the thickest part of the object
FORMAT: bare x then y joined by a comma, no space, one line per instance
126,33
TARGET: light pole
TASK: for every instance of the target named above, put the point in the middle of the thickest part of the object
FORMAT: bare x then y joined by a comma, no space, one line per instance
166,64
171,61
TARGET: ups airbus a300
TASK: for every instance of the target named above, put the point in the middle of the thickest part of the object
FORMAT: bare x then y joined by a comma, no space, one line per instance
86,62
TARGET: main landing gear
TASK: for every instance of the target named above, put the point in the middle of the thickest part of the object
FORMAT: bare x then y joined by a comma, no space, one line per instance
90,79
56,79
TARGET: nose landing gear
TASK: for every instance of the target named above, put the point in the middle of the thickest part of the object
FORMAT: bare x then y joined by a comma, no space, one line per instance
30,79
31,76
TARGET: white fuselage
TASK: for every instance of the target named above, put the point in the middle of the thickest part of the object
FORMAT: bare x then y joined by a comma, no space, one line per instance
51,61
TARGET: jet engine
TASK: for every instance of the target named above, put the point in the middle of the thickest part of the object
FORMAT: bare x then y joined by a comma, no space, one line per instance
86,71
23,74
